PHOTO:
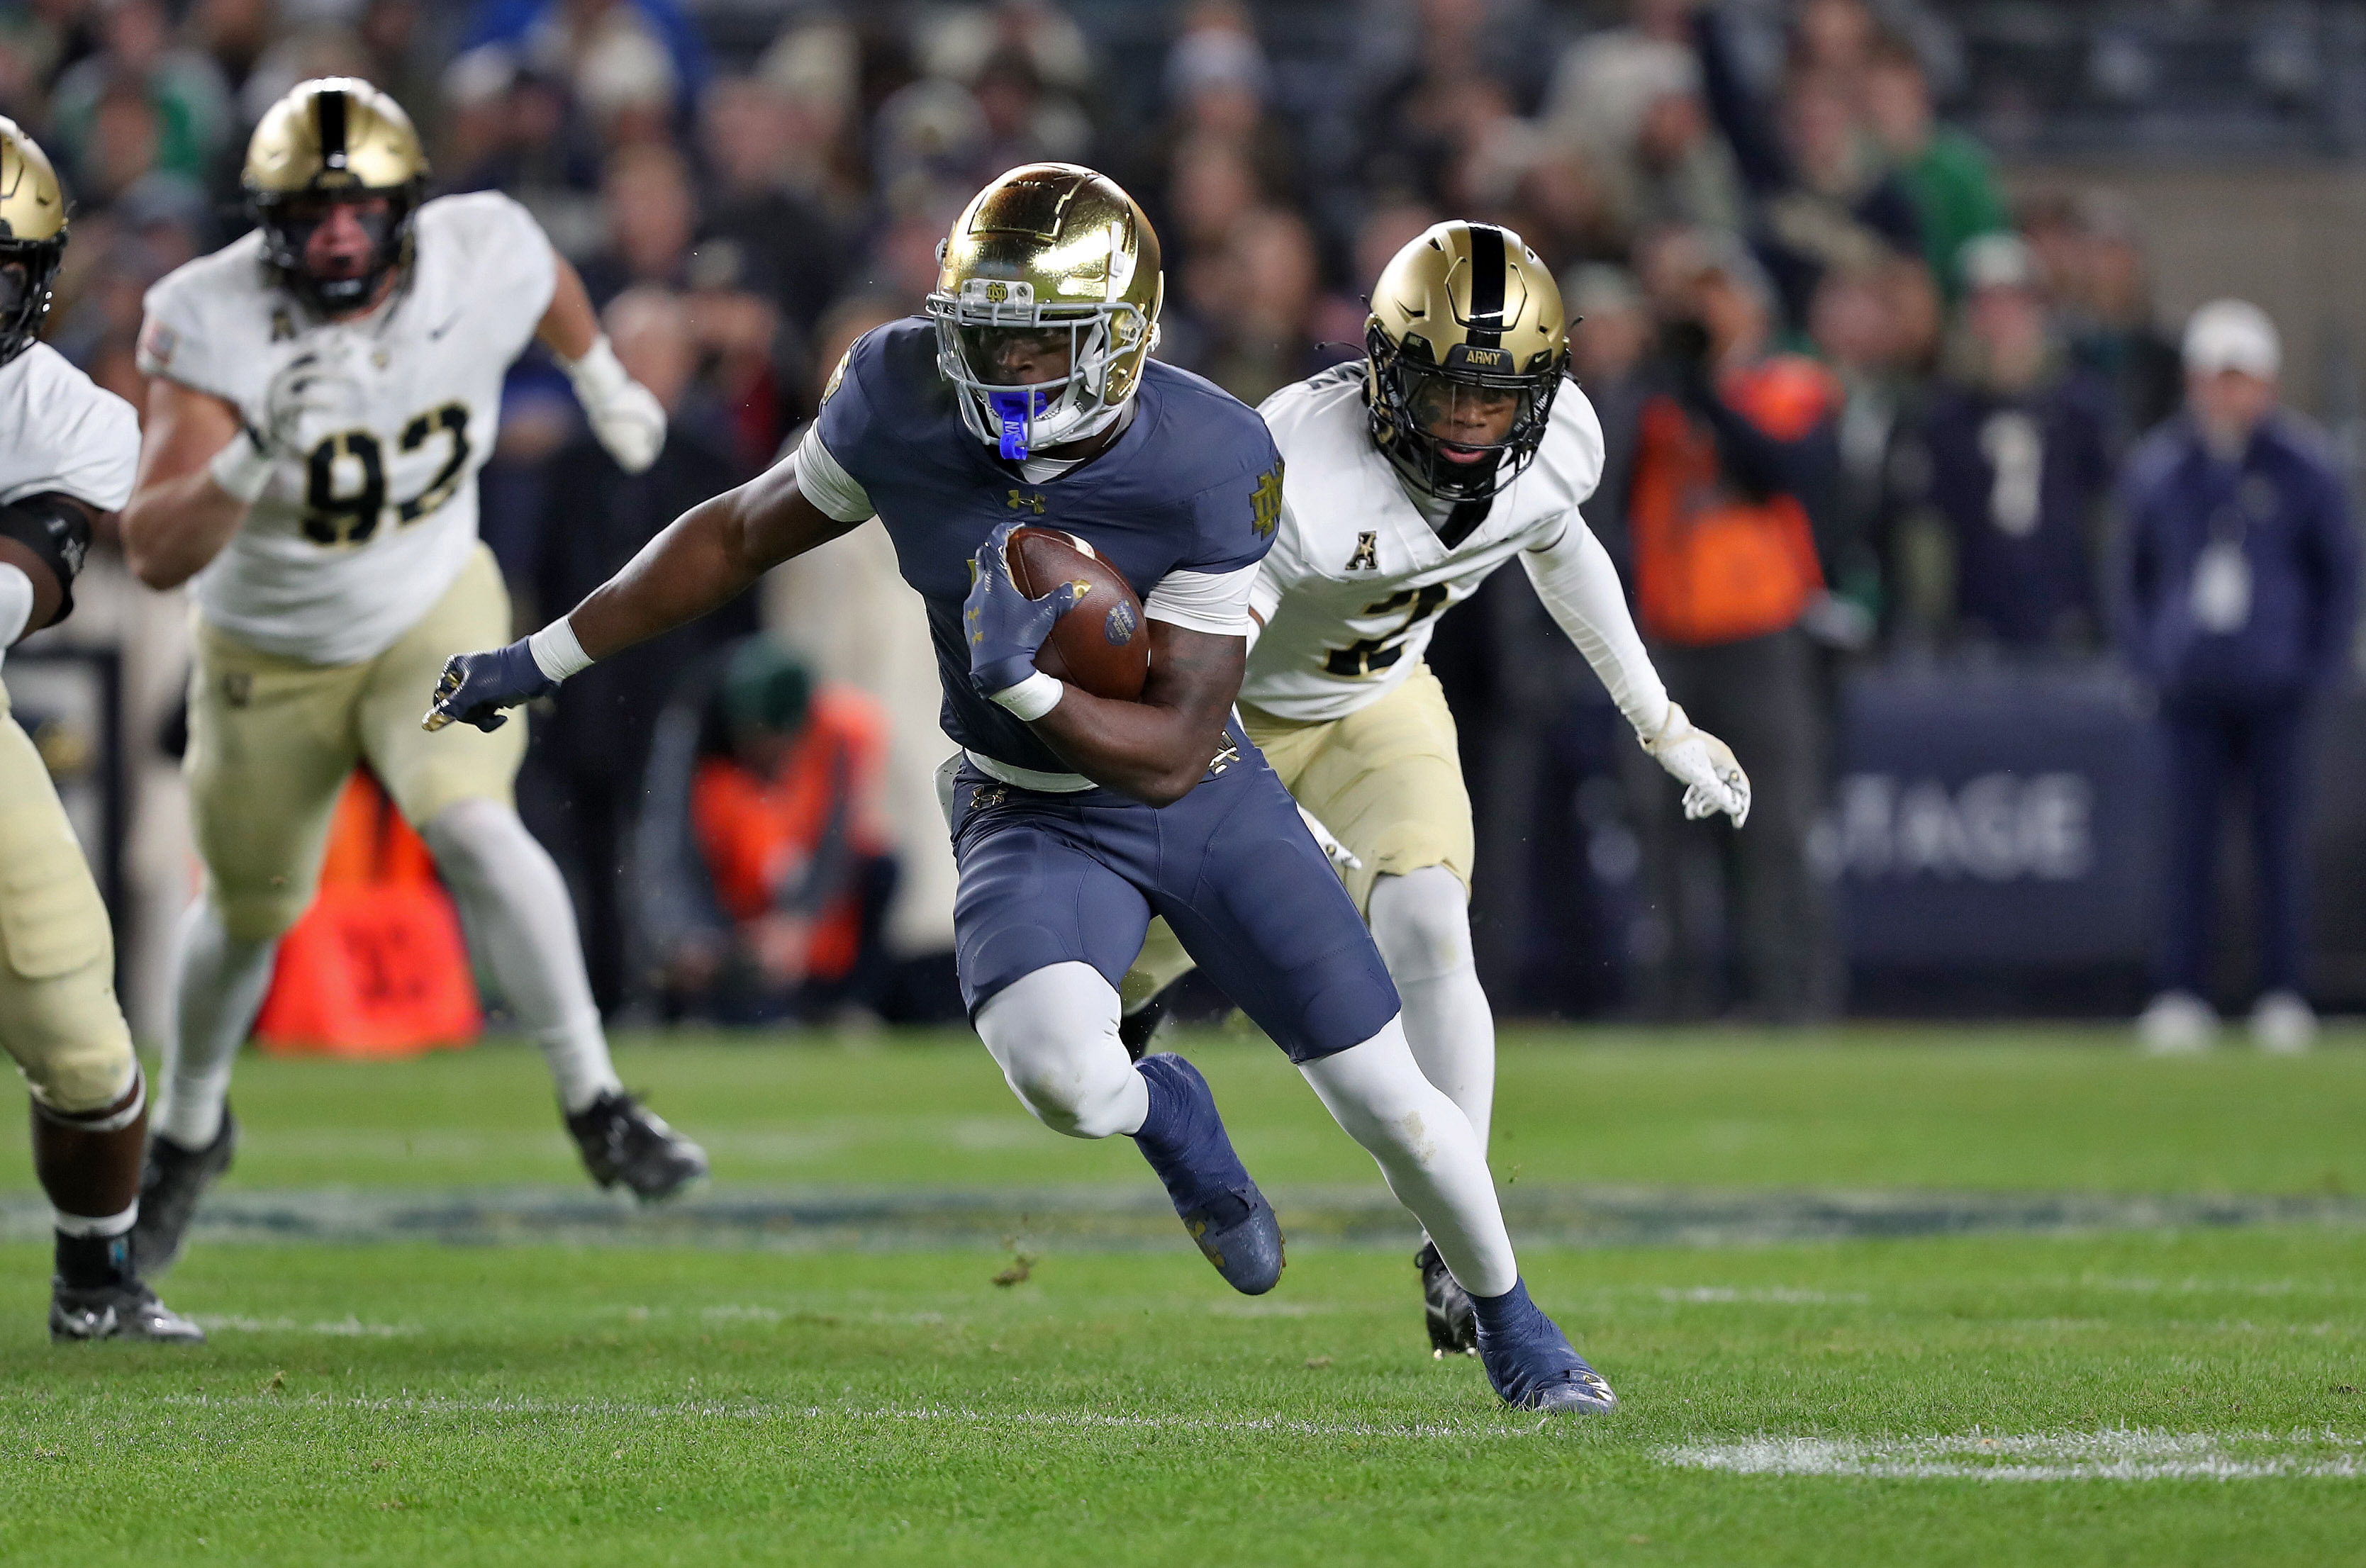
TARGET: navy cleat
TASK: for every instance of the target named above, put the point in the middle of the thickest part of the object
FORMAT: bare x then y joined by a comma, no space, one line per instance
125,1310
623,1140
1184,1140
1530,1363
1453,1326
170,1182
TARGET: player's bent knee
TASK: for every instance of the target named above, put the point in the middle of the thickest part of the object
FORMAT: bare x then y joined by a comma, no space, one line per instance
89,1073
1074,1099
1055,1034
1421,923
261,915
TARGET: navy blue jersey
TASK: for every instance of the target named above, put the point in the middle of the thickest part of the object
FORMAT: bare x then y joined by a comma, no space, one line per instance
1194,484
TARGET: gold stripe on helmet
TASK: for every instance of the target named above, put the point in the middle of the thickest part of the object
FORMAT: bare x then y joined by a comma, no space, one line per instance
32,202
358,139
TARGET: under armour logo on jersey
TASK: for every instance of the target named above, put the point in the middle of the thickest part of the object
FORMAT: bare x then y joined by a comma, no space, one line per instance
1027,500
1367,557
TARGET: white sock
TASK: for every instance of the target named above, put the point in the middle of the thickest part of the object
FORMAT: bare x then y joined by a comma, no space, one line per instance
87,1225
217,989
1054,1033
514,900
1427,1150
1422,923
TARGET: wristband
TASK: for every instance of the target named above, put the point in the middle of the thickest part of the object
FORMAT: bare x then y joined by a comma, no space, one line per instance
242,469
1031,698
598,375
558,652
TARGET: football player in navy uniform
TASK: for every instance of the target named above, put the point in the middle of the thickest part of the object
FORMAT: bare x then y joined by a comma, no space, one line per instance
1028,396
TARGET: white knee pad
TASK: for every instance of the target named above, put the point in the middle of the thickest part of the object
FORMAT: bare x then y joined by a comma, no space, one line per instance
1054,1033
1421,922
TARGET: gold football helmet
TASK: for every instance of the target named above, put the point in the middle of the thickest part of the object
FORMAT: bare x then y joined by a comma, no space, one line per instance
1464,320
332,139
32,238
1047,252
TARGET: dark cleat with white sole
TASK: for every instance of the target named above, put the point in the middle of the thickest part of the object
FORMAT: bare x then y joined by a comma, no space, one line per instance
623,1141
171,1179
1530,1363
126,1311
1453,1326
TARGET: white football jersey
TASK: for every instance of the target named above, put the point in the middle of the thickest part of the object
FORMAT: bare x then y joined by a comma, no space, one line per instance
354,541
61,431
1357,577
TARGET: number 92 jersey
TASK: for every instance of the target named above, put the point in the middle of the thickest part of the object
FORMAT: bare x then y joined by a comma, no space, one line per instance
358,535
1358,575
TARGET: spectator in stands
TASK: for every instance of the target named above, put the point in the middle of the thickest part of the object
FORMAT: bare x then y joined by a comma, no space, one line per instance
2015,462
1608,351
616,57
589,757
2122,340
763,876
1945,170
1734,462
182,86
653,211
2238,585
788,240
1820,195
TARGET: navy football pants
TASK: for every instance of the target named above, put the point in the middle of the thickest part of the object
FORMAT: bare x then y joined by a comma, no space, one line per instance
1050,878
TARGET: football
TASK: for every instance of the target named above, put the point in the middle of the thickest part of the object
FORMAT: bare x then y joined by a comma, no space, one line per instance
1101,643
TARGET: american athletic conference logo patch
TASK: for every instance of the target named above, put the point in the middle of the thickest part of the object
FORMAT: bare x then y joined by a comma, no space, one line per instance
1119,628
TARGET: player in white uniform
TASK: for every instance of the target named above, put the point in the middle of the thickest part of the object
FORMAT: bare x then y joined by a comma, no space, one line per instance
67,451
1456,445
323,393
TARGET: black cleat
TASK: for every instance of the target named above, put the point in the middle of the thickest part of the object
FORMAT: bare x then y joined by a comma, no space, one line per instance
170,1182
128,1311
1227,1217
624,1140
1531,1364
1453,1324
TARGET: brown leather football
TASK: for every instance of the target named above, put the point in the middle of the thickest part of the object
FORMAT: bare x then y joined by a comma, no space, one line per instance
1101,643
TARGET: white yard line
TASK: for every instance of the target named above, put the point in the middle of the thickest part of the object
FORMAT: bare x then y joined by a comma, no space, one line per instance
2111,1454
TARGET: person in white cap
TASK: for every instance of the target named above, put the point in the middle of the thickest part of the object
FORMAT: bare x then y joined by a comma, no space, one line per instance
2235,586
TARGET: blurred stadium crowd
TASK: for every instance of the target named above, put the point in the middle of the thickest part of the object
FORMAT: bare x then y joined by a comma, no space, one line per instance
746,188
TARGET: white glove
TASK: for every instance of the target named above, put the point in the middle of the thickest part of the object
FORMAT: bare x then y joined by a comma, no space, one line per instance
311,397
1704,765
624,415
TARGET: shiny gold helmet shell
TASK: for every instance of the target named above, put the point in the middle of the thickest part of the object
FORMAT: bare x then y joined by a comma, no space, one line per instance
32,238
335,138
1047,248
1466,308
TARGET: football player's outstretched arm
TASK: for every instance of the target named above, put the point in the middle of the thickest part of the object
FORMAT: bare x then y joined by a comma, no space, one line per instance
1158,748
624,415
707,555
180,516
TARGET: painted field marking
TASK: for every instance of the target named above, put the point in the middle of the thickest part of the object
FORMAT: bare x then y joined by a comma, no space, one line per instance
2116,1454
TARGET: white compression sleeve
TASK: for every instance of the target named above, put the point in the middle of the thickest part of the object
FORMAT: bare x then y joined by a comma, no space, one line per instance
217,989
1421,923
1054,1033
1427,1151
1578,583
515,902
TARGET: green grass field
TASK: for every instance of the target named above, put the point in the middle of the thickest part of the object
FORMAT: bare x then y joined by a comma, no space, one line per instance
2121,1396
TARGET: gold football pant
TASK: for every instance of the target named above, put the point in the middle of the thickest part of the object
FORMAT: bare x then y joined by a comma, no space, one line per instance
1387,782
59,1017
272,740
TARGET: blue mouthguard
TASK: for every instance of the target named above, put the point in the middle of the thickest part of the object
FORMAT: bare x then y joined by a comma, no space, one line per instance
1013,410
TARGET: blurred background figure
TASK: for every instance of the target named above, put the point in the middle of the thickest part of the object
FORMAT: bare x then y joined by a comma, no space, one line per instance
581,790
2014,464
2238,593
761,874
1735,460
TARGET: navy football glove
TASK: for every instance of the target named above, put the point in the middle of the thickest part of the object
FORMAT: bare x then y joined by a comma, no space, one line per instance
1004,626
476,687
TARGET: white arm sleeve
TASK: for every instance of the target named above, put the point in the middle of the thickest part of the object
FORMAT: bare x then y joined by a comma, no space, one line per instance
828,486
1213,603
1574,578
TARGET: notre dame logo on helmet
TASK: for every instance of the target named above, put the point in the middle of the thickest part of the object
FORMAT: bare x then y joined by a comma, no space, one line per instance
1264,504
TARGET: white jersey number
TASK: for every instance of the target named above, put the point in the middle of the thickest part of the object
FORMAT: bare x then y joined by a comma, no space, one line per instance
345,490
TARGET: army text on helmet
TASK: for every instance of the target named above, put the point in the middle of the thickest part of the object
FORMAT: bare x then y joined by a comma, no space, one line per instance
32,238
1465,348
1050,268
335,139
